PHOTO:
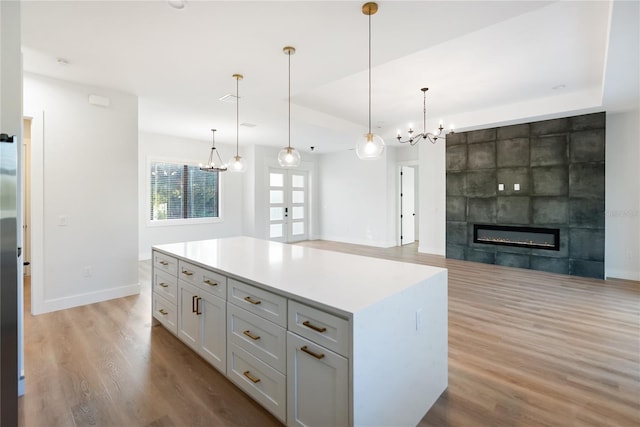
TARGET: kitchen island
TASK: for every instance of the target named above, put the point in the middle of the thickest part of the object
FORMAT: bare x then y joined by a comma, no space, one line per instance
316,337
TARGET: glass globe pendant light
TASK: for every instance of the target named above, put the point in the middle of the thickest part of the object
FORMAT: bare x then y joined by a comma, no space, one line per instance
289,157
370,145
237,163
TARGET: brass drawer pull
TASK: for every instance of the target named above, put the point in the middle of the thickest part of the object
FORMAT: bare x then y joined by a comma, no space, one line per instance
210,282
164,285
250,335
314,327
187,273
252,301
164,313
313,353
164,263
251,377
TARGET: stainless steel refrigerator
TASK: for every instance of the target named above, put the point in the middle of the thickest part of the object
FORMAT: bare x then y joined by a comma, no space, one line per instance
9,257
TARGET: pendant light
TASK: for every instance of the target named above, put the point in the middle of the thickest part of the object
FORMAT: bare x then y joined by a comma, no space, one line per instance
237,163
215,163
369,146
288,157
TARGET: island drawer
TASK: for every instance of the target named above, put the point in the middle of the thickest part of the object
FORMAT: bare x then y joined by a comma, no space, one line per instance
258,336
207,280
259,380
165,313
258,301
166,263
165,285
325,329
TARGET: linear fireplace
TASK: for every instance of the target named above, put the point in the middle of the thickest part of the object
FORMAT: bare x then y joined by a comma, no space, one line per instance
527,237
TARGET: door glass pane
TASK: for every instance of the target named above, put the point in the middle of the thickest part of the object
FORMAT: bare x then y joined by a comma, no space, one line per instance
275,230
275,214
276,196
297,196
298,212
297,181
276,179
297,228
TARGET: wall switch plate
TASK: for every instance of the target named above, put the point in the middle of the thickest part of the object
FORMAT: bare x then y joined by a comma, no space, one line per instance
500,187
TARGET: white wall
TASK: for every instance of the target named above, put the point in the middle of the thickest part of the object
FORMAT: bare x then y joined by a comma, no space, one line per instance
170,148
622,196
357,198
432,198
84,196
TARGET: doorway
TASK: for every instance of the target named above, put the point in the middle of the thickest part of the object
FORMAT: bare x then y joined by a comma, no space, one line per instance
26,208
288,205
408,216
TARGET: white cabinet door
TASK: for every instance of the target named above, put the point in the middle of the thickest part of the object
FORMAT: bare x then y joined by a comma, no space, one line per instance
202,324
317,385
213,345
188,321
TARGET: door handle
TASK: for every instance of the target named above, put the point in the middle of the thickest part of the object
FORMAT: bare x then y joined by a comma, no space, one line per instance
286,212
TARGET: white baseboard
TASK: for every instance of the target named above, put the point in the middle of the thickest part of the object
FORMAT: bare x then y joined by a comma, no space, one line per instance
88,298
431,250
388,244
622,274
143,256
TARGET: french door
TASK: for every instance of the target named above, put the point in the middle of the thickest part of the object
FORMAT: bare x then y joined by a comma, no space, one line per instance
288,201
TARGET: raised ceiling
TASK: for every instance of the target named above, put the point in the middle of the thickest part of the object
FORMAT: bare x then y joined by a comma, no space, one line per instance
485,63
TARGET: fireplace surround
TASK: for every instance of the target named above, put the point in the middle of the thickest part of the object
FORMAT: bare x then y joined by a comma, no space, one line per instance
543,175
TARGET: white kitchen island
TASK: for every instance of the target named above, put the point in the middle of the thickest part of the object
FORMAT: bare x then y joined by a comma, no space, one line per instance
316,337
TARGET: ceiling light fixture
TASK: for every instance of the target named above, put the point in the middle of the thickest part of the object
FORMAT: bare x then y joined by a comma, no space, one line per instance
288,157
432,137
237,164
215,163
369,146
177,4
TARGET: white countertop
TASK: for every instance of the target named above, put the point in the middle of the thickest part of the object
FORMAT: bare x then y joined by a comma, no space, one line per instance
348,283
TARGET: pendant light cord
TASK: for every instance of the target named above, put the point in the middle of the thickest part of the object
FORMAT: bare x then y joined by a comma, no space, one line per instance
289,55
424,111
369,73
237,115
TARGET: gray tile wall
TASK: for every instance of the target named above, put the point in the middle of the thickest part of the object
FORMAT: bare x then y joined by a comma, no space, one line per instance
559,165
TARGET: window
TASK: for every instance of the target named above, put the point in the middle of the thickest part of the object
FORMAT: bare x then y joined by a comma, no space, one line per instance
183,192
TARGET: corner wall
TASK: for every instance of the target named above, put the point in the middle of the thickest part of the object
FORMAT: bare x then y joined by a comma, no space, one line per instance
358,198
84,197
622,219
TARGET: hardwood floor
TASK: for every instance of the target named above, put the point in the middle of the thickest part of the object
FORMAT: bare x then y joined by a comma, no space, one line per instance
526,348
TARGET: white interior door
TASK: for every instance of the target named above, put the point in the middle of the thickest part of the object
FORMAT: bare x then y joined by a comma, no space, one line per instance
288,201
26,210
407,205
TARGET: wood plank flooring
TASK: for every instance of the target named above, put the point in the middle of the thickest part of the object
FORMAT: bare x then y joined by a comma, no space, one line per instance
526,348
